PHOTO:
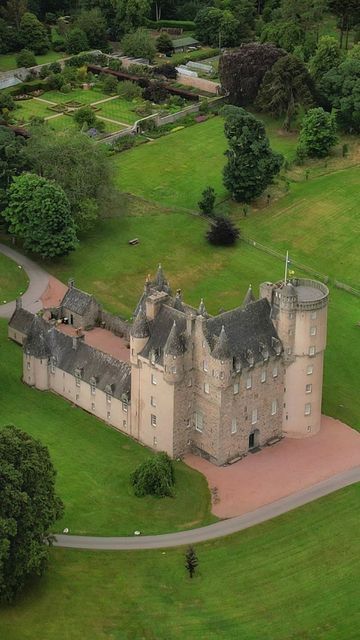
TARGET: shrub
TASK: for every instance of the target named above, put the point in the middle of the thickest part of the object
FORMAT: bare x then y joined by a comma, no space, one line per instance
55,81
129,90
44,72
110,84
155,92
139,70
115,64
55,67
222,232
155,476
66,87
166,70
85,116
76,41
139,44
164,44
123,143
25,58
204,107
207,202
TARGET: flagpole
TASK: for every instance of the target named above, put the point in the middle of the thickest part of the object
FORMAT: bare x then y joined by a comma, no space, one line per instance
286,265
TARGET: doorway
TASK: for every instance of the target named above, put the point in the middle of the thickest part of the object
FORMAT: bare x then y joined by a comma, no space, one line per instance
254,439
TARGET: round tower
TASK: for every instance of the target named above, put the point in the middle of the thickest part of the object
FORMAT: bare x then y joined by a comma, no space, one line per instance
174,356
222,356
299,312
139,335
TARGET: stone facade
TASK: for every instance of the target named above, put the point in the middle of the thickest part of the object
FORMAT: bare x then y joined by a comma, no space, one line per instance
215,385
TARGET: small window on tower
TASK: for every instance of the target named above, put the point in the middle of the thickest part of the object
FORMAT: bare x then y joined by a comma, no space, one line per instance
206,387
263,375
233,425
307,410
236,388
248,382
313,331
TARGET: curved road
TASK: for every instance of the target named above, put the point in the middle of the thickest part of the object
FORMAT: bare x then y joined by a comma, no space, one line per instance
217,530
38,278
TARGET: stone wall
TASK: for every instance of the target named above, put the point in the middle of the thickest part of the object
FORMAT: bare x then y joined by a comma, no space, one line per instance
115,324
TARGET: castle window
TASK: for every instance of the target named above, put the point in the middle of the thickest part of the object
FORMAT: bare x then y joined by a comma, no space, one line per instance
93,389
153,401
263,375
77,397
248,382
28,365
124,424
189,382
155,441
125,407
237,365
312,351
233,425
52,364
206,387
153,420
291,332
77,381
236,388
274,407
308,388
313,315
291,315
222,375
198,421
307,410
313,331
153,379
309,369
205,365
288,351
173,369
254,416
275,372
108,398
108,415
93,406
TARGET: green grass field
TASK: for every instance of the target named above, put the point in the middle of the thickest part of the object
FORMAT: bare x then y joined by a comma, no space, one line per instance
13,280
86,96
292,578
27,109
94,463
8,60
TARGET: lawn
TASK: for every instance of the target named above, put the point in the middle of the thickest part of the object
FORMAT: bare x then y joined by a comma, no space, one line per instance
293,578
64,122
13,280
94,463
86,96
160,170
27,109
120,109
8,60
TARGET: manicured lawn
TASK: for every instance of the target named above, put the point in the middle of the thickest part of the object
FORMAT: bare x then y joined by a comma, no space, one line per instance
292,578
119,109
27,109
94,463
86,96
8,60
160,170
13,280
64,122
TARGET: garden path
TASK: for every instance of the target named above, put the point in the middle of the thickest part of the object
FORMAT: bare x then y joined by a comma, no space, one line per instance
38,282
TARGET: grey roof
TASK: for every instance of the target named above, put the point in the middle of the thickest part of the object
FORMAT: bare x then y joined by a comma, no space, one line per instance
222,350
160,329
175,344
21,320
76,300
178,303
249,297
202,308
187,41
248,330
140,328
46,341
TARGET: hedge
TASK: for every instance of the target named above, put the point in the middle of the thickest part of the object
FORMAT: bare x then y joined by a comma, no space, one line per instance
185,25
195,56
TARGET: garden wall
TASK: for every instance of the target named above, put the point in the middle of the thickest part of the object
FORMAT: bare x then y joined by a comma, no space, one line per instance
115,324
199,83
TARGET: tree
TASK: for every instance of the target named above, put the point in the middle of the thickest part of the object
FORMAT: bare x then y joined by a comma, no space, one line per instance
284,34
191,561
348,13
326,57
166,70
25,58
222,232
131,15
284,88
93,24
318,133
164,44
11,159
110,84
39,213
155,92
129,90
251,164
6,103
241,71
29,506
217,28
79,165
13,11
139,44
155,476
306,13
76,41
33,34
341,88
207,202
85,116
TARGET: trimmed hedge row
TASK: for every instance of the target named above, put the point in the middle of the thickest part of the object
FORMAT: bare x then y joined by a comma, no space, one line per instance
185,25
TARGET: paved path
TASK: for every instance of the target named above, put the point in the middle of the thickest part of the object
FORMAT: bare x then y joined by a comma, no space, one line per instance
39,280
217,530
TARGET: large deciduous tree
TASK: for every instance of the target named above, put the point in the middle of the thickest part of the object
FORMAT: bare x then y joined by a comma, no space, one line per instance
38,212
11,160
284,88
318,133
139,44
33,34
93,24
341,88
326,57
217,28
251,163
241,71
29,507
76,41
348,14
131,15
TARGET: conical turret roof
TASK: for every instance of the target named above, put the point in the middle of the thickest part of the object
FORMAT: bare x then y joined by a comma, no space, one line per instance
178,302
140,328
249,297
202,309
37,342
174,345
222,350
160,279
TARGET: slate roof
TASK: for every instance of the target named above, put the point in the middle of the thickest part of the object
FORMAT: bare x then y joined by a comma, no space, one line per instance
46,341
222,350
247,330
140,328
249,297
175,344
21,320
160,329
76,300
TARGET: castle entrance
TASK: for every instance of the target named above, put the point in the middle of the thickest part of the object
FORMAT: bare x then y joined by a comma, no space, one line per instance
254,439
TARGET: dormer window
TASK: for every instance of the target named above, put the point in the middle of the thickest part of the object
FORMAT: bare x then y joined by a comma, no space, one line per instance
92,385
109,393
237,365
53,363
78,377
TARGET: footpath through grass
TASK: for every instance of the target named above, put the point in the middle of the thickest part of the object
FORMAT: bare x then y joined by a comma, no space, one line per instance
292,578
13,280
94,463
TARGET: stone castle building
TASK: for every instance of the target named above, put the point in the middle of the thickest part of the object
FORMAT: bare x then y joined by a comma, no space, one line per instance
219,386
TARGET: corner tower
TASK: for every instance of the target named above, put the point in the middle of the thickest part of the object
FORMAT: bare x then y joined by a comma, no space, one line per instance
299,313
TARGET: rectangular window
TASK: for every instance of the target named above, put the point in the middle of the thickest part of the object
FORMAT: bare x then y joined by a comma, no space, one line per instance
311,351
155,441
248,382
275,372
108,415
309,369
124,424
205,365
274,407
291,332
153,379
52,367
153,420
199,421
288,351
263,375
77,396
307,411
93,406
206,387
233,425
93,389
254,416
125,407
189,382
108,398
153,401
291,315
313,331
77,382
236,388
308,388
28,366
313,315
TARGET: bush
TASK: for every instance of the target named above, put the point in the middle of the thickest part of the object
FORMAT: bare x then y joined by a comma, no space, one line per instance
140,70
129,90
207,202
222,232
139,44
44,72
166,70
115,64
154,477
87,58
25,58
156,92
55,81
85,116
204,107
123,143
76,41
185,25
66,88
164,44
110,84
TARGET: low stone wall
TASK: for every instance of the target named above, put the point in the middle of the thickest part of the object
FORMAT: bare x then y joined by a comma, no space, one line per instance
115,324
199,83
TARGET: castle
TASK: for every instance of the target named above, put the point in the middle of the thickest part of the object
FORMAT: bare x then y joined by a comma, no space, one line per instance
219,386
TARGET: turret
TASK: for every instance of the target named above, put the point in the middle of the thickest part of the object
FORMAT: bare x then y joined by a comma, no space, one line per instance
139,335
36,354
173,355
202,309
249,297
221,353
